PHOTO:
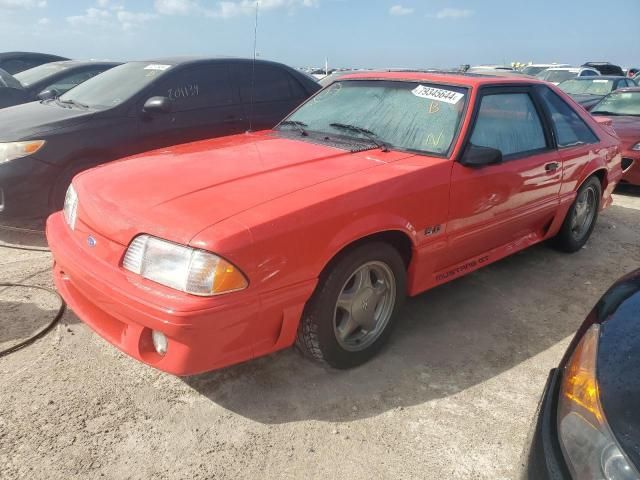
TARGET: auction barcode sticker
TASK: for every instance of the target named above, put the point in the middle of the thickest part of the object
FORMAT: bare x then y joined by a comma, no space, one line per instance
448,96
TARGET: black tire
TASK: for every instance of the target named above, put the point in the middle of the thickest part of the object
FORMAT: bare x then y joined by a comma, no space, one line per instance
568,239
317,335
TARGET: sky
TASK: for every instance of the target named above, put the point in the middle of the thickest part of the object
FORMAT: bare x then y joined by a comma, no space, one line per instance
350,33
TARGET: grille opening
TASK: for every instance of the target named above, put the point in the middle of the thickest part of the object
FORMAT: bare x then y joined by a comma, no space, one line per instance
626,164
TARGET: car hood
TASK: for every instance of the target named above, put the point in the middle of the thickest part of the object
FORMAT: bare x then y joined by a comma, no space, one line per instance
33,119
627,128
177,192
618,366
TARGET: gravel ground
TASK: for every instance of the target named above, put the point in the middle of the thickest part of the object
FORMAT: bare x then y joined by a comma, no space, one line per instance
452,396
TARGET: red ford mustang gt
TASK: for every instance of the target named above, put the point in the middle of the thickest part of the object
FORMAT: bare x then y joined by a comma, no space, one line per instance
206,254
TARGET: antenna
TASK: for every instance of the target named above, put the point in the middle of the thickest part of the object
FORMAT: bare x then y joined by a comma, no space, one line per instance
253,68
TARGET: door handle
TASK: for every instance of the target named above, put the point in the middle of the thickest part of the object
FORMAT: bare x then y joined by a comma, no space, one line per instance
551,167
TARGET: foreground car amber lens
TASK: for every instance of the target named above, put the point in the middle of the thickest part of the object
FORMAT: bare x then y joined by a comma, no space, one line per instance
183,268
588,445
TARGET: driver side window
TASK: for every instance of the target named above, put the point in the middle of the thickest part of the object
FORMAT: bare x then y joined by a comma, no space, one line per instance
510,123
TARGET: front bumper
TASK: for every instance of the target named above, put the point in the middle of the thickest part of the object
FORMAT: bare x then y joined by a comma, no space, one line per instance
25,186
544,460
204,333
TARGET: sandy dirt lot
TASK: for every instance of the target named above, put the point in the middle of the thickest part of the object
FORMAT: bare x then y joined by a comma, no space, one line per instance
452,396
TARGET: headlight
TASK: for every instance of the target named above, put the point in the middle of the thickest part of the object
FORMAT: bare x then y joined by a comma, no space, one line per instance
70,209
184,268
636,147
588,445
13,150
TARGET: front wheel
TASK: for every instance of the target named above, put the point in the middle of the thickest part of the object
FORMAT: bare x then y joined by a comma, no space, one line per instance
581,217
351,314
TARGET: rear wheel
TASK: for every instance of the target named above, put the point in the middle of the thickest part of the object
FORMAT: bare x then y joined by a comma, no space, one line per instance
581,217
351,314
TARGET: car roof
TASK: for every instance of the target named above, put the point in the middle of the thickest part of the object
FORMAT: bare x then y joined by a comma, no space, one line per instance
628,90
84,63
10,55
191,60
457,78
601,77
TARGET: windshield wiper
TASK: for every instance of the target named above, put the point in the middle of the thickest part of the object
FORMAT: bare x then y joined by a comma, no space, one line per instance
297,125
604,112
74,103
364,131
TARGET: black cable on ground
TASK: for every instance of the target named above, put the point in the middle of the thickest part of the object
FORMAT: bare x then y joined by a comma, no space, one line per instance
46,329
29,231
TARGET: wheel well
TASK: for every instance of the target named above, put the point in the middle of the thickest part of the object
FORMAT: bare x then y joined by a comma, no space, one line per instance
397,239
602,176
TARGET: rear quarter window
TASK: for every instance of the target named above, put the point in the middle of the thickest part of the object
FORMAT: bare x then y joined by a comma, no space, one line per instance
568,126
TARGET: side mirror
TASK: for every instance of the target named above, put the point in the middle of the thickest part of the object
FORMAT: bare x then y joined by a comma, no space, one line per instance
49,94
157,105
476,156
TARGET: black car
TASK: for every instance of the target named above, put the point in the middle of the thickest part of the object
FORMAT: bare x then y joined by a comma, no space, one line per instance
16,62
605,68
132,108
588,422
588,91
50,80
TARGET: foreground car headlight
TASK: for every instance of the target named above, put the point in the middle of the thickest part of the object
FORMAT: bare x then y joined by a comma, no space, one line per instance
12,150
636,147
184,268
70,209
588,445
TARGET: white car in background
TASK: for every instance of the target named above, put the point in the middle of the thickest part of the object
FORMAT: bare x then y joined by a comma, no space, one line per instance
536,68
558,75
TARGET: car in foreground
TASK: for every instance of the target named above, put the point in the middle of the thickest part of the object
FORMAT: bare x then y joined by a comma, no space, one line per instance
623,108
132,108
382,185
557,75
587,426
50,80
605,68
16,62
588,91
536,68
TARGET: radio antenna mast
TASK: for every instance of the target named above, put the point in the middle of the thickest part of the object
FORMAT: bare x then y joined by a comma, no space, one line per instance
253,68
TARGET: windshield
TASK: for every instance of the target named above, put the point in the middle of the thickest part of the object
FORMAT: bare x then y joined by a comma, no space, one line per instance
594,86
533,70
556,76
7,80
33,75
116,85
619,103
403,115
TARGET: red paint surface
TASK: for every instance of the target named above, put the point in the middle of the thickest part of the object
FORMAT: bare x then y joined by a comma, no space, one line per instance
280,209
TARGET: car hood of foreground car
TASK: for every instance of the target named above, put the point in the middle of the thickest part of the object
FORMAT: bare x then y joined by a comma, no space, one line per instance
175,193
618,364
30,120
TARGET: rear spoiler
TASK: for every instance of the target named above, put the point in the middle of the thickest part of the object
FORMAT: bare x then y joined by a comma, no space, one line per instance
606,123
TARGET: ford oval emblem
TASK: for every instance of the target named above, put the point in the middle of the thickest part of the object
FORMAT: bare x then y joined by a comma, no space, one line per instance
91,241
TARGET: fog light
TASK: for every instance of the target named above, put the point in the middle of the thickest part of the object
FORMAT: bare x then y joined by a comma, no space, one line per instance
160,342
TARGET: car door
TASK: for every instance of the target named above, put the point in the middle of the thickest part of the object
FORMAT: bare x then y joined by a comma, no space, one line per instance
268,94
204,105
574,139
512,201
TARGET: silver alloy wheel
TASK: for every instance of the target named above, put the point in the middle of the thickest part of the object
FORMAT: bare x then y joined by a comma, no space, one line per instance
364,306
584,213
